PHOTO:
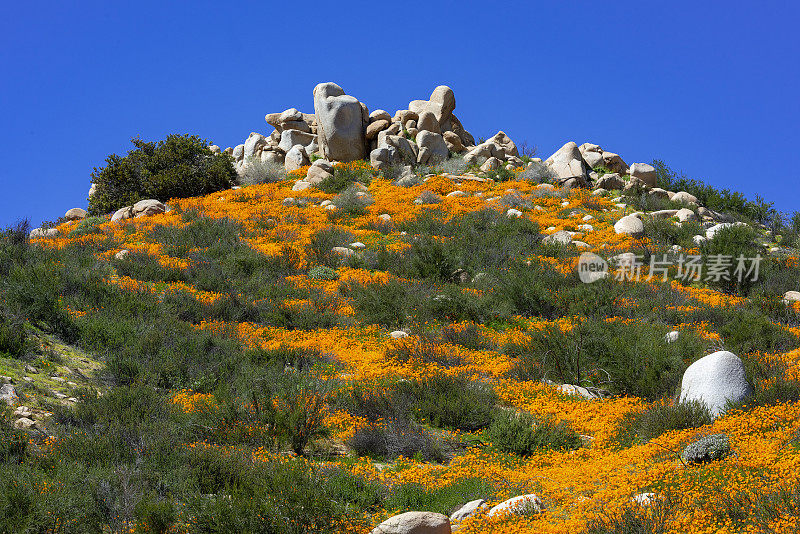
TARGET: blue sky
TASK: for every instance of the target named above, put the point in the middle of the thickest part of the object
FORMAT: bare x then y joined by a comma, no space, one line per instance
710,87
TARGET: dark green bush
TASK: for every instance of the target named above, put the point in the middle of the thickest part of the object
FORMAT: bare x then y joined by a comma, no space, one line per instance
177,167
524,434
729,244
13,442
722,200
643,426
628,358
13,335
89,225
444,500
456,403
383,304
343,177
392,438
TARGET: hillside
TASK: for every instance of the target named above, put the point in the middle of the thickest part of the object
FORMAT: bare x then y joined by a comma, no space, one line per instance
330,343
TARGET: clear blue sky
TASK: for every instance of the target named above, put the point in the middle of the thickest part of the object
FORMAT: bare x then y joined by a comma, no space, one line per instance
712,88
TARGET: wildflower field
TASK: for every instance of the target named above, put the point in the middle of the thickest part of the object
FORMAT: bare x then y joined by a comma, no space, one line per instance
251,384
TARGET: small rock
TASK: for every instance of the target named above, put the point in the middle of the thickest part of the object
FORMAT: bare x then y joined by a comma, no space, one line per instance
8,394
644,499
630,225
467,510
519,505
562,237
791,296
415,523
672,337
398,334
75,214
23,423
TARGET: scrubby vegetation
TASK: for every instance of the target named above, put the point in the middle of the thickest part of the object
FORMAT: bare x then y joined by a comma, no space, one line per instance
179,166
245,367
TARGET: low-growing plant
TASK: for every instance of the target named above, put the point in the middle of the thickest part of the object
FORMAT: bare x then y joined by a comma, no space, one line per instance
13,335
650,423
254,171
524,434
728,259
322,272
624,357
345,176
444,500
456,403
382,304
89,225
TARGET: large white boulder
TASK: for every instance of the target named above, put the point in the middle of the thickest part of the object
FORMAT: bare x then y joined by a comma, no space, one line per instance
415,523
290,138
75,214
568,163
644,172
254,143
295,158
340,123
791,296
631,225
683,196
441,104
592,154
435,144
519,505
148,207
715,380
468,510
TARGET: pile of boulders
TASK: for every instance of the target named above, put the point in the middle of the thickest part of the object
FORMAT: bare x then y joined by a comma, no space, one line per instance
342,129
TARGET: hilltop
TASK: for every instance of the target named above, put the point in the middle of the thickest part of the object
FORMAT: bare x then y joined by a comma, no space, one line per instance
373,322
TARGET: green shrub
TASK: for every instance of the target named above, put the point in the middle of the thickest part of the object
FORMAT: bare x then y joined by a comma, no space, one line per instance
13,442
13,335
722,200
655,518
748,331
293,406
345,176
444,500
523,434
256,172
628,358
320,247
322,272
179,166
391,438
500,175
729,244
456,403
643,426
89,225
350,202
381,304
